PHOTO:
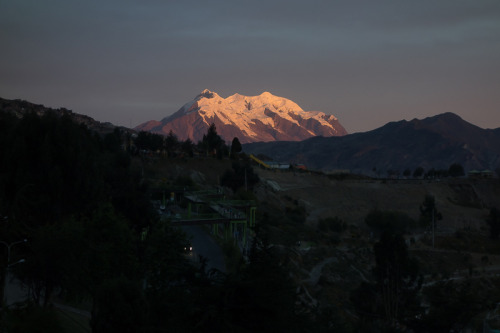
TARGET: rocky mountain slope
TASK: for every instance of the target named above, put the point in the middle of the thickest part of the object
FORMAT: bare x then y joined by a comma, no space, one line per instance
262,118
434,142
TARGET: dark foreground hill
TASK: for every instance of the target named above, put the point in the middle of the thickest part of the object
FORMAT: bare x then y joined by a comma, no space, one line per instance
434,142
20,108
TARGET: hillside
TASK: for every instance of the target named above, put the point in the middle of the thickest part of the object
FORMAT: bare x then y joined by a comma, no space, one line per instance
463,202
352,200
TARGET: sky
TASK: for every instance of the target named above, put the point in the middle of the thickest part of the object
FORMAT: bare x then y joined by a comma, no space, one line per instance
367,62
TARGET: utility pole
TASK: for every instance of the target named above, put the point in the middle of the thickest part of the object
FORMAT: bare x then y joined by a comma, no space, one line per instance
433,231
246,187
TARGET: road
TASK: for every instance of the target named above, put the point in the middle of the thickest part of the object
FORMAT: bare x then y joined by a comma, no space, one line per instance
204,245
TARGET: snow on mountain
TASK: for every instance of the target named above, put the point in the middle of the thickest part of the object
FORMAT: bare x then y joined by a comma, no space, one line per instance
250,118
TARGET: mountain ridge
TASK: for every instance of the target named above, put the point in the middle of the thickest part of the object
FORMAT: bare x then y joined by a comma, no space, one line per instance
433,142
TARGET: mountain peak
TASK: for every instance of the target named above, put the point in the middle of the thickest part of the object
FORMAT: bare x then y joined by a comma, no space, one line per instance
207,94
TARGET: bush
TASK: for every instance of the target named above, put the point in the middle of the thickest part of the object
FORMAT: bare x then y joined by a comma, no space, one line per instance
184,181
456,170
296,214
334,224
241,174
389,221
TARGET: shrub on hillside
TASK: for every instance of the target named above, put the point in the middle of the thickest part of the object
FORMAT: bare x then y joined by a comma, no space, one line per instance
334,224
389,221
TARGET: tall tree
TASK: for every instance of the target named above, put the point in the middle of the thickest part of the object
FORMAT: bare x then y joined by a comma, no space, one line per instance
212,141
392,296
171,142
396,276
429,215
187,147
428,212
241,175
419,171
456,170
235,147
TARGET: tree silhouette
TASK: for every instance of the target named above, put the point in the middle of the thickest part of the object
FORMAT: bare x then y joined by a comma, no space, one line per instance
171,142
392,297
241,175
494,223
187,147
407,173
428,212
149,141
212,141
235,147
396,275
456,170
429,215
419,171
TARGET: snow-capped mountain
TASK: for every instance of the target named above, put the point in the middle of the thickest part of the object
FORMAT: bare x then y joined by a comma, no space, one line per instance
262,118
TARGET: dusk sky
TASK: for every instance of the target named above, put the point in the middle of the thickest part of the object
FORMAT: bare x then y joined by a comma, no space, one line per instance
366,62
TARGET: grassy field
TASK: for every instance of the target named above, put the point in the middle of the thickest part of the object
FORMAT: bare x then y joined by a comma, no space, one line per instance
462,202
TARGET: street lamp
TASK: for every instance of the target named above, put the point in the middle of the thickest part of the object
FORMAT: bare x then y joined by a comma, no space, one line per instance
15,263
10,245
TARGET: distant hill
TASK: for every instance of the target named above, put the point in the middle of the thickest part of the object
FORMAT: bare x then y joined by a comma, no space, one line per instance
20,108
434,142
250,118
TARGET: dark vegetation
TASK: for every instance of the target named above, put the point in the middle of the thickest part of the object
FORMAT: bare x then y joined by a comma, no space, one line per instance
79,200
391,298
389,221
241,175
494,223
